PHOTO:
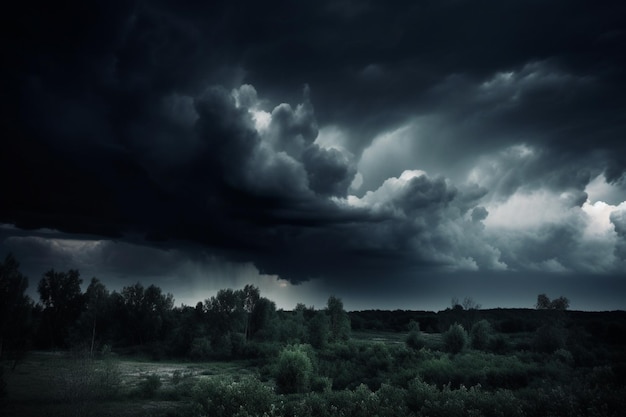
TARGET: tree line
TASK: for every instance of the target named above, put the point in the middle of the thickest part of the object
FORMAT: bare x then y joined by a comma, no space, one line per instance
234,322
145,318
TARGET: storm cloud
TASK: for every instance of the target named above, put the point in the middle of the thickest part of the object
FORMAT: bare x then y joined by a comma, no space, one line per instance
321,141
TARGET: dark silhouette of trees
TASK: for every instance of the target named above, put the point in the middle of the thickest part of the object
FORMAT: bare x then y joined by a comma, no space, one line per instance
544,303
63,302
96,308
318,330
338,320
470,304
250,297
145,311
263,320
15,308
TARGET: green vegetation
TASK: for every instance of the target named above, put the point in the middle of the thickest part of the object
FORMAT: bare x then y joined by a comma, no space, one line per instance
133,353
293,371
455,339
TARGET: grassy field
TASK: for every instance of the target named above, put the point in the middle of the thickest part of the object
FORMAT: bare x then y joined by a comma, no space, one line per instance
433,340
374,366
55,384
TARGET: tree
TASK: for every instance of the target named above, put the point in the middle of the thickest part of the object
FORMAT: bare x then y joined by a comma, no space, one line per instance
560,303
544,303
63,302
470,304
146,311
318,328
262,319
225,313
15,306
455,339
96,299
339,320
250,297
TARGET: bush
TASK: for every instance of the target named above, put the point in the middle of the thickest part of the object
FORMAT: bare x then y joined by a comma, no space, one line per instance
149,386
84,379
455,339
415,339
428,400
294,370
549,338
480,335
248,397
498,344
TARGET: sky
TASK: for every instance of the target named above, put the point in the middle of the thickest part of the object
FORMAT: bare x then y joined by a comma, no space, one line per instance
394,154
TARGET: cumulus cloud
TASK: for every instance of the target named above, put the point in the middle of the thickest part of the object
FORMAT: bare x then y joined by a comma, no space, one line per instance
427,220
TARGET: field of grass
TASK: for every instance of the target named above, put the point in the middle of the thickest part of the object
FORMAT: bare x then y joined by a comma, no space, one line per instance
432,340
58,384
374,370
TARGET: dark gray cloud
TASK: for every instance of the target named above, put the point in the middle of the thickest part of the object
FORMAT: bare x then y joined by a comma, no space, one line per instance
292,135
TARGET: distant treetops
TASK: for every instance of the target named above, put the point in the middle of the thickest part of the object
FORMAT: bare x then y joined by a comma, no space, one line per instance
544,303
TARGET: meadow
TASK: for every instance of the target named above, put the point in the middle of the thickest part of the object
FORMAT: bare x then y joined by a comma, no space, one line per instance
372,373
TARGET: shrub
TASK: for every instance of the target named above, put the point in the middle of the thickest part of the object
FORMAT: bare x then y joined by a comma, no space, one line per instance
377,358
226,398
498,344
564,356
149,386
455,339
480,335
177,376
294,370
549,338
415,339
428,400
83,379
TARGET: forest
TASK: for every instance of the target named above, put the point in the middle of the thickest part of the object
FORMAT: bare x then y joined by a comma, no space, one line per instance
98,352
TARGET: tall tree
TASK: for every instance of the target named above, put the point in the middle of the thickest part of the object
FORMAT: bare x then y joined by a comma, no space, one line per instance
63,301
14,305
250,295
339,320
225,313
147,310
96,300
263,319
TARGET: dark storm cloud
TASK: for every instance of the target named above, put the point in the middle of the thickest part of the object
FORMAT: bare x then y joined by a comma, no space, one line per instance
143,118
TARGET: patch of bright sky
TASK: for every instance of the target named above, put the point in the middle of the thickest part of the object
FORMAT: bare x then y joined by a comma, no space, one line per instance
332,137
386,192
599,190
389,155
261,119
525,210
